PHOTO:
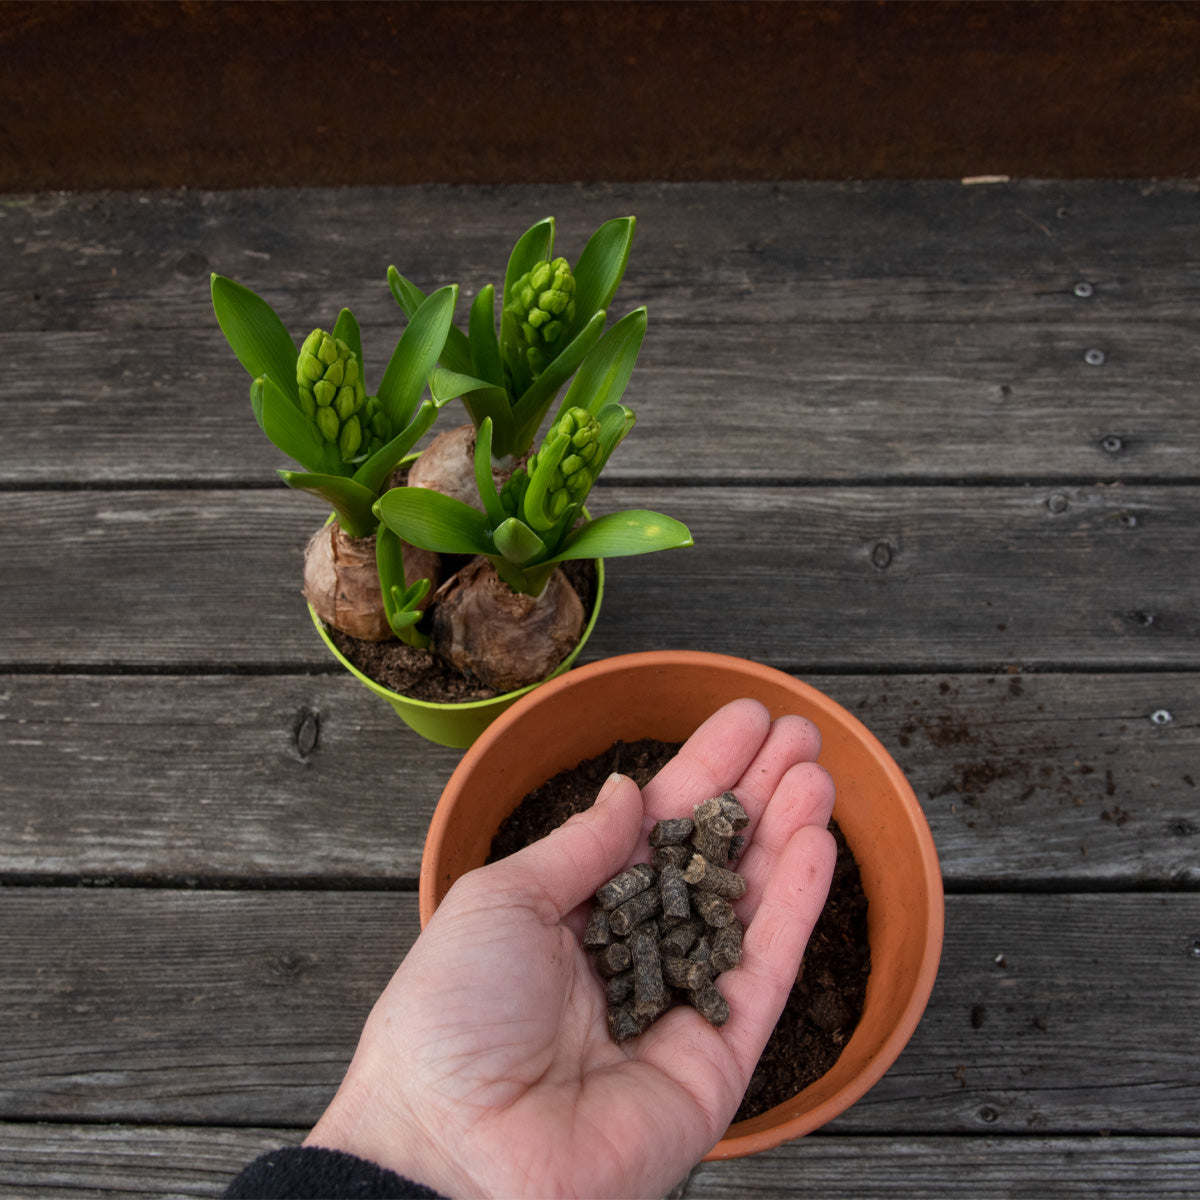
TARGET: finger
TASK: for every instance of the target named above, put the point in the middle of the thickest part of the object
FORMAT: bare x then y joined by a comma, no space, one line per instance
791,902
790,740
565,868
804,796
710,762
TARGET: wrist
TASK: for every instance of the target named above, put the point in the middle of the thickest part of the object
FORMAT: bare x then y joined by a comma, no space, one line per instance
373,1124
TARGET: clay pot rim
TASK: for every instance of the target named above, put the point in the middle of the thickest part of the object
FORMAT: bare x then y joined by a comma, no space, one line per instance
776,1126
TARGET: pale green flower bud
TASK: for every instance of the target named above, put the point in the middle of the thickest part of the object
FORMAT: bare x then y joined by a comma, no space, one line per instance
554,489
542,306
331,390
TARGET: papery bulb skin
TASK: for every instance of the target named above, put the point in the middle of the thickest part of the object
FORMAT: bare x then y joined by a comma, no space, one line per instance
504,639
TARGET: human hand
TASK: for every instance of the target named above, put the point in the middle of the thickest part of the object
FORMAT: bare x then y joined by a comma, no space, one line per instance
486,1067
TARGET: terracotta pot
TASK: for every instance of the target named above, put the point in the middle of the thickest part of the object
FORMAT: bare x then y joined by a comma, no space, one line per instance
666,695
457,725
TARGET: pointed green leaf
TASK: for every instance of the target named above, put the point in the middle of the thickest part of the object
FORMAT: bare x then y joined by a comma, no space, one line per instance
540,481
615,422
373,473
255,334
415,356
485,346
400,602
347,329
605,372
351,501
456,353
529,410
601,266
615,535
482,401
535,244
289,429
434,522
517,542
484,482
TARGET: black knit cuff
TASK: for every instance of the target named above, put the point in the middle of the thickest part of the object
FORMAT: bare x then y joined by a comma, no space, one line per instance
312,1173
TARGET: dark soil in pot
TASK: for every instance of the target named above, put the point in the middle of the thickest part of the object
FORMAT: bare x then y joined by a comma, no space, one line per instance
422,675
826,1001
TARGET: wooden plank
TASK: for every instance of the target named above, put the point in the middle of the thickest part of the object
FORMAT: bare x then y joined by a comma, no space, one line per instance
136,1162
1028,781
862,401
969,577
808,308
152,1162
862,1168
740,253
1041,1020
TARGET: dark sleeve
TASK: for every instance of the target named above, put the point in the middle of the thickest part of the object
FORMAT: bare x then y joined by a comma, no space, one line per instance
310,1173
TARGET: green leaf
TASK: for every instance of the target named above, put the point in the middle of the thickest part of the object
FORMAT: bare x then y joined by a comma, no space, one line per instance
535,244
485,346
528,581
605,373
415,356
434,522
255,334
616,535
351,501
347,329
540,481
529,410
484,482
482,401
456,353
373,474
400,602
615,422
601,266
289,429
519,544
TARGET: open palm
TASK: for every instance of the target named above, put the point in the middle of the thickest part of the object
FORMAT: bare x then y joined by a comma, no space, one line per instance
486,1067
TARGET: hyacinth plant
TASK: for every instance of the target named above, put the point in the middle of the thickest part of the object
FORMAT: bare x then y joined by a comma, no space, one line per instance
550,318
521,532
312,402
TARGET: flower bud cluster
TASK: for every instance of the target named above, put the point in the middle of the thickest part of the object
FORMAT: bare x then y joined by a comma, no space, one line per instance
572,479
542,303
663,931
333,394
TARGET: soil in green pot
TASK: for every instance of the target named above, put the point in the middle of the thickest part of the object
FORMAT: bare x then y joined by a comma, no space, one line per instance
826,1001
424,676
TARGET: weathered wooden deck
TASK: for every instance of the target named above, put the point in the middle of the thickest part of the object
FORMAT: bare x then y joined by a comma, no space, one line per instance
939,446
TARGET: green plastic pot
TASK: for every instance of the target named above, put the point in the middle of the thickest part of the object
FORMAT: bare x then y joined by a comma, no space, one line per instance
458,725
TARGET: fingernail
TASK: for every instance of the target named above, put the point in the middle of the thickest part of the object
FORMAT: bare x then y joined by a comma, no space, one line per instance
610,785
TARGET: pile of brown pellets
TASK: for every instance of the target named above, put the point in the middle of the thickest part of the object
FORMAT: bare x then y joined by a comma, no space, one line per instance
664,930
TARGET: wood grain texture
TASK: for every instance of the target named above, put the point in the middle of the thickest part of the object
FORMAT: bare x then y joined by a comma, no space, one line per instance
907,485
180,1162
978,577
258,998
786,318
136,1162
827,1167
192,779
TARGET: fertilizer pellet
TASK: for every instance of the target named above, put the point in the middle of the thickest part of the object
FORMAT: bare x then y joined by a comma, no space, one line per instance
662,931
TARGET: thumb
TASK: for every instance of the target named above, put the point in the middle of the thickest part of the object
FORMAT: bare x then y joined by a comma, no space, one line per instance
570,863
